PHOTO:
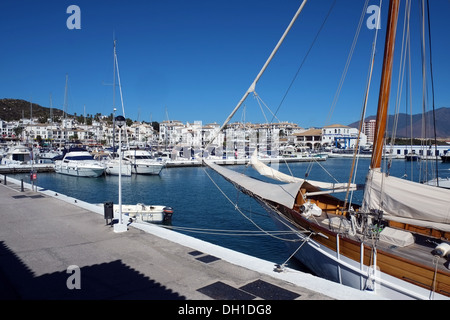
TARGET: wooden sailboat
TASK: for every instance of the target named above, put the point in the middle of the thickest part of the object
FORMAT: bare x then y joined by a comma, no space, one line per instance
396,244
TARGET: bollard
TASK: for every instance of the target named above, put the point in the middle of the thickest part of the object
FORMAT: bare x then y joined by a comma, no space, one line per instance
21,185
5,179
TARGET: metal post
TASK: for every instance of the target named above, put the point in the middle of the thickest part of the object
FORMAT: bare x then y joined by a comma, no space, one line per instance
120,175
120,227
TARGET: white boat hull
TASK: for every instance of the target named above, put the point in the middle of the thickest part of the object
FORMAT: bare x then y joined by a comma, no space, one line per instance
82,170
150,168
330,265
144,213
113,169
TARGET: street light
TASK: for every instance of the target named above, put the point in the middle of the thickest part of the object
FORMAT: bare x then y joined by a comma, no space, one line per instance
120,227
114,131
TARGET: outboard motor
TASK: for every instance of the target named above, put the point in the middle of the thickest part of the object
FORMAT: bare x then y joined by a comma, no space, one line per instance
168,212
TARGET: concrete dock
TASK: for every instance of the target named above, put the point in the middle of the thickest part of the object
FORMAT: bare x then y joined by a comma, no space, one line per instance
56,247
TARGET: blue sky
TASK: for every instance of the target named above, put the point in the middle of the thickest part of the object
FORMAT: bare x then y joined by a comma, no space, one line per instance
195,59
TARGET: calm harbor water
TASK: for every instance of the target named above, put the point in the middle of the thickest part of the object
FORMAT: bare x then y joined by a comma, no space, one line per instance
199,204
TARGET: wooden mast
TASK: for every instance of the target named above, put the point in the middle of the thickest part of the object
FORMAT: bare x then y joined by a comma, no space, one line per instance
385,87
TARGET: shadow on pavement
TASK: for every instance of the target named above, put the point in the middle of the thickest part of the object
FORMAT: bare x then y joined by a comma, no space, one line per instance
106,281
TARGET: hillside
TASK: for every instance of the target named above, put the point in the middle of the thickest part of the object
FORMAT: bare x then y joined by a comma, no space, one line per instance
15,109
404,124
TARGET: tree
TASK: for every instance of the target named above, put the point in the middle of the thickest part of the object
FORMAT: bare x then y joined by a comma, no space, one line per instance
74,137
155,125
18,131
38,139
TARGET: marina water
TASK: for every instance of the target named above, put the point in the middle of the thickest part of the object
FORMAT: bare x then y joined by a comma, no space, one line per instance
201,208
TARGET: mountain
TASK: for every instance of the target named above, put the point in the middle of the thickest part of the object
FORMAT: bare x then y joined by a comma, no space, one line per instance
16,109
442,116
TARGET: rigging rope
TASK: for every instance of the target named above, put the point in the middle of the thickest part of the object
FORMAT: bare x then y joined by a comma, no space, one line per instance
240,211
347,64
229,232
402,65
432,90
260,100
281,267
363,116
261,72
305,57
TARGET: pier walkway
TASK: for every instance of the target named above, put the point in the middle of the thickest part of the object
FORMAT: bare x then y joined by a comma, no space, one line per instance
56,247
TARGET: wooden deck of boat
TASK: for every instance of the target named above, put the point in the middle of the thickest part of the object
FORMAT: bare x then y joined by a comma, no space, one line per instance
420,252
414,263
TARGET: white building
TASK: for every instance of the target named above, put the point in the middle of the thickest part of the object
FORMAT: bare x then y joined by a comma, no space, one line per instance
311,138
342,137
369,128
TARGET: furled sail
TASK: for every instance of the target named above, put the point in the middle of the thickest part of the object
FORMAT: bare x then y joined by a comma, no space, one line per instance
408,202
283,194
269,172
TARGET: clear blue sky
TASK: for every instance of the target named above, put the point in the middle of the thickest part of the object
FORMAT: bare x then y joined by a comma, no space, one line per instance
196,58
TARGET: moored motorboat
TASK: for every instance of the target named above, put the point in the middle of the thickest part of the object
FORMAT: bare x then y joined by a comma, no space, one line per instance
142,162
446,157
113,167
412,157
112,164
146,213
17,155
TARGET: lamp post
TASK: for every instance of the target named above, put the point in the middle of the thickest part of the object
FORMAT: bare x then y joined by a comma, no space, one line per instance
114,131
120,227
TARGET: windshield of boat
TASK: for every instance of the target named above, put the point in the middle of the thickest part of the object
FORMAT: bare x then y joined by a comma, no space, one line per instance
86,157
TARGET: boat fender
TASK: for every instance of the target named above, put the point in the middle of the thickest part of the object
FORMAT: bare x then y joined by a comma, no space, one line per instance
442,250
309,209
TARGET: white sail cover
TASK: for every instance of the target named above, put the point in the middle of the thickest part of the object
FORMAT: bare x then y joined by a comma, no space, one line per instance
284,194
269,172
408,202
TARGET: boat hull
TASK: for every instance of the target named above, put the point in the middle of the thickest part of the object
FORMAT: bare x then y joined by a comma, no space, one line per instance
113,169
79,171
146,213
147,168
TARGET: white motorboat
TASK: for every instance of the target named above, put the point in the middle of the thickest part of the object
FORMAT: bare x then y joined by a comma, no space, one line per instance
17,155
446,156
112,164
145,213
79,162
143,163
49,154
112,167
